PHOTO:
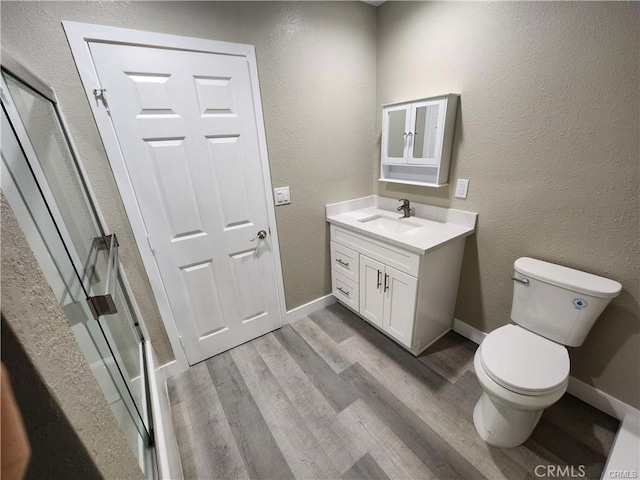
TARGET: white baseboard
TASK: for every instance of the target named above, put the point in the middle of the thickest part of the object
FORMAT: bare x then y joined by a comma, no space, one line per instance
467,331
588,394
304,310
600,400
168,458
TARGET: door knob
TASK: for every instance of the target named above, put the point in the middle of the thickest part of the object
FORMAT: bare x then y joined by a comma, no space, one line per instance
261,235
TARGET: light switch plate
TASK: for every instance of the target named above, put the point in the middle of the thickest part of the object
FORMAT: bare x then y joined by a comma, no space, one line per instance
462,187
281,195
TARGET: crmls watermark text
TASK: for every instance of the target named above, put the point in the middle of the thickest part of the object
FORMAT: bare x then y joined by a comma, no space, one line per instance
623,474
560,471
572,471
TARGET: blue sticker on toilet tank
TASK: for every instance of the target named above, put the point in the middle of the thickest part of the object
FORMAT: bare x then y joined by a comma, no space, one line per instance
580,303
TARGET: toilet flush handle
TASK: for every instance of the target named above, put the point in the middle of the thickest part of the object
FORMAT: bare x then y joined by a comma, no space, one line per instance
521,280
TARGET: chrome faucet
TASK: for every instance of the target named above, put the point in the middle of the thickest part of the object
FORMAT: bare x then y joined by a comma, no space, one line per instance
405,207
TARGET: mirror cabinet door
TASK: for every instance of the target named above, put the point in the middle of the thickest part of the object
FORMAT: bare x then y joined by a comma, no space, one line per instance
426,134
396,135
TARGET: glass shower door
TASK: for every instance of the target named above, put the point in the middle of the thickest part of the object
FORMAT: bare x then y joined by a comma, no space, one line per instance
41,181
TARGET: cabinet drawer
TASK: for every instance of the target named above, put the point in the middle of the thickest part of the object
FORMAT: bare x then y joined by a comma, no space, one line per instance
345,261
345,290
403,260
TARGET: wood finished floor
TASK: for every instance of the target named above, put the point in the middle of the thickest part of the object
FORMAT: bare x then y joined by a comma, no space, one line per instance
330,397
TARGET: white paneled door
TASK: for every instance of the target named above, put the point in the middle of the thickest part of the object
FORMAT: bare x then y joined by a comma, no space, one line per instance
186,124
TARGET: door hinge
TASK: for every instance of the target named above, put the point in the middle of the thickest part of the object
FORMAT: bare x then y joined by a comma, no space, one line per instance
153,252
101,93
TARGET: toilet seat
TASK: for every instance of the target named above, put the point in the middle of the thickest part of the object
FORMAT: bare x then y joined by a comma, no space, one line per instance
524,362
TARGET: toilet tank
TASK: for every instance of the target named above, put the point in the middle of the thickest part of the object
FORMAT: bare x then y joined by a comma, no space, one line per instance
557,302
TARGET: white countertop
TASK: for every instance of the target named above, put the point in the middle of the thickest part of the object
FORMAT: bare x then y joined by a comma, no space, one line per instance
430,228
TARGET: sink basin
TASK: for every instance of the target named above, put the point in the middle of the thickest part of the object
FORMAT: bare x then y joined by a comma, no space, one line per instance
390,225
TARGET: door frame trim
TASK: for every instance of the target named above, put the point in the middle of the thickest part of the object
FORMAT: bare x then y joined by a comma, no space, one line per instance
79,35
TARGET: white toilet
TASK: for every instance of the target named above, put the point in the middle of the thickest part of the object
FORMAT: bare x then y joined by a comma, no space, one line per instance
524,368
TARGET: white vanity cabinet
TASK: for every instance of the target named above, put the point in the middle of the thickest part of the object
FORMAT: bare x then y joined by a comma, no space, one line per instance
388,298
417,139
408,296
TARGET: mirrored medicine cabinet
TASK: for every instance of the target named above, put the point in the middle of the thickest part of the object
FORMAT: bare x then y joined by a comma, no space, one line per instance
417,139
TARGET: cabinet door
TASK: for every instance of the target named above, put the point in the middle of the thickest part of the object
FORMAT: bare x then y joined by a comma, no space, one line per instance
400,292
427,123
395,133
371,286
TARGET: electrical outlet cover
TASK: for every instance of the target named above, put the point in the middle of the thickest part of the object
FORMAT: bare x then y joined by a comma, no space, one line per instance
462,187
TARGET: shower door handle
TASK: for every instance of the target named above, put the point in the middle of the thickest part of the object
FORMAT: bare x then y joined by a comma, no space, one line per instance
105,304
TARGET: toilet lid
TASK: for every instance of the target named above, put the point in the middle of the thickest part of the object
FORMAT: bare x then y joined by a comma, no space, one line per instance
524,362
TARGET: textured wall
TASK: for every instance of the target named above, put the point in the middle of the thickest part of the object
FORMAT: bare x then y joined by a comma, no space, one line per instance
30,308
56,450
316,62
548,136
